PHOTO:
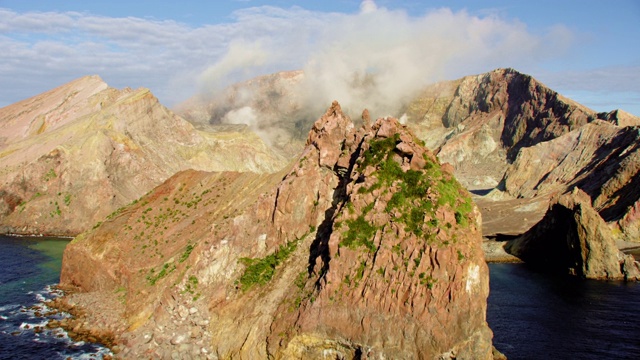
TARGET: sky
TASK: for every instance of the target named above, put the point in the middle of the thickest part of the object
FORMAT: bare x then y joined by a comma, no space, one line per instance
587,50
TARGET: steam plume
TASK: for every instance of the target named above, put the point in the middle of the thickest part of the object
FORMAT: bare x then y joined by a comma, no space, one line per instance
375,59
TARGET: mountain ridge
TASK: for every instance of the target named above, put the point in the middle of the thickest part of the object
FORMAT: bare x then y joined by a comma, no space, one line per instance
82,150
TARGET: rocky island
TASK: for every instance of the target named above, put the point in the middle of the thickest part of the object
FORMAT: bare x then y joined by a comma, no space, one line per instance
355,240
365,246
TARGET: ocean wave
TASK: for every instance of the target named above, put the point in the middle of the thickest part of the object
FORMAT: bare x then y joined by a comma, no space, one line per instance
28,323
8,307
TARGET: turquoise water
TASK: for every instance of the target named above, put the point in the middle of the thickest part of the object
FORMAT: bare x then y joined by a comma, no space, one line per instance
29,267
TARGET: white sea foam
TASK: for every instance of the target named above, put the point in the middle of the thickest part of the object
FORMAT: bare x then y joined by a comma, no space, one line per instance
9,307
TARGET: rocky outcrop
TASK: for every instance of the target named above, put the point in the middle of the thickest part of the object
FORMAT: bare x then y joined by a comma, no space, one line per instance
71,156
600,158
365,247
573,238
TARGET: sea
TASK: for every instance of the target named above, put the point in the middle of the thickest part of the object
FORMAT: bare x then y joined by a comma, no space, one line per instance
533,315
29,268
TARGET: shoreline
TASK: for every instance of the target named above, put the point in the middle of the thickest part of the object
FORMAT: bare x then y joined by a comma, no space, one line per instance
83,323
494,252
18,235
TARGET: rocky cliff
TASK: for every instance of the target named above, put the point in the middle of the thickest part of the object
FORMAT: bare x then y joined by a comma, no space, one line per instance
504,129
572,238
364,247
73,155
600,158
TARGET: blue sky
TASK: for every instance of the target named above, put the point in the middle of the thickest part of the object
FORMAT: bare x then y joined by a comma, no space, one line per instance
586,50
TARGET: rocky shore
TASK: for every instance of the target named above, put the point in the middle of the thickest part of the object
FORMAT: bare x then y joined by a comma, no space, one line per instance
494,252
97,317
94,317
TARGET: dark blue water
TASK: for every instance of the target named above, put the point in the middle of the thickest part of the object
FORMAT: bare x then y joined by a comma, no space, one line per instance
539,316
28,267
532,315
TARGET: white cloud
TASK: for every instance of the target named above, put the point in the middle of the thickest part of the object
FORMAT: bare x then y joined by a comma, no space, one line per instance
370,59
376,57
367,6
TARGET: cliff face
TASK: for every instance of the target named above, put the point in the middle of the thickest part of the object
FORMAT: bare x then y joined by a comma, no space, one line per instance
364,247
573,238
504,129
600,158
72,155
479,123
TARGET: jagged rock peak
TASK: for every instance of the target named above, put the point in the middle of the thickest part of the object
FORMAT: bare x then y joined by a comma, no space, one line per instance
620,118
330,134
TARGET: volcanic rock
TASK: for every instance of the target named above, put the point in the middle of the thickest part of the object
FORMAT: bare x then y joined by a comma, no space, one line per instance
573,238
73,155
364,247
506,130
599,158
479,123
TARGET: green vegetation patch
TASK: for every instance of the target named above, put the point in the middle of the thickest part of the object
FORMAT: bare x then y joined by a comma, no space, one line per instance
261,270
67,199
167,268
56,211
186,253
50,175
410,196
191,287
360,233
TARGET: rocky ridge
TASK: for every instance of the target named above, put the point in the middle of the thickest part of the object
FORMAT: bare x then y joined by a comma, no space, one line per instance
477,123
364,247
71,156
483,121
600,158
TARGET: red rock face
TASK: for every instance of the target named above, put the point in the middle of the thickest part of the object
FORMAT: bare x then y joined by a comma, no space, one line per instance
364,247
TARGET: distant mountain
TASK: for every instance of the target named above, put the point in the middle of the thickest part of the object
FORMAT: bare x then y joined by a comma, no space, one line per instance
73,155
480,123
